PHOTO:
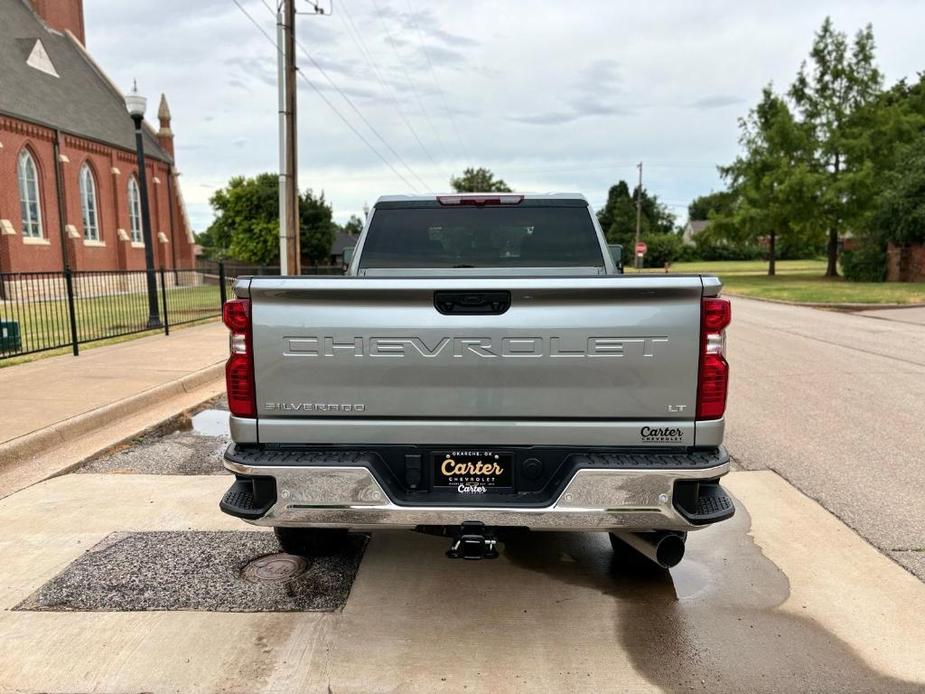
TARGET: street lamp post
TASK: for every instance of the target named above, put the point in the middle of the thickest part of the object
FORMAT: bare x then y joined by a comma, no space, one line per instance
136,108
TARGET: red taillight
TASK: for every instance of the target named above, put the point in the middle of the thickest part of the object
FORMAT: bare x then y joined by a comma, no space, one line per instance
713,381
239,370
717,314
236,314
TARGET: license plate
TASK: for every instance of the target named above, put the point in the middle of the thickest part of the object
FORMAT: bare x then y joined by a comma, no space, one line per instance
473,471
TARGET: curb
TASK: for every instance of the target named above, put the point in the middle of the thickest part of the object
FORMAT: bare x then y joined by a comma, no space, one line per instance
823,304
34,444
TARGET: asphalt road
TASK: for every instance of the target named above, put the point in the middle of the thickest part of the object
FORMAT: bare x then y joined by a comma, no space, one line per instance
835,403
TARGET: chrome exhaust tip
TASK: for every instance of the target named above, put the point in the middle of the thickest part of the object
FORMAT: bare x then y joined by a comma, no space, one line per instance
664,547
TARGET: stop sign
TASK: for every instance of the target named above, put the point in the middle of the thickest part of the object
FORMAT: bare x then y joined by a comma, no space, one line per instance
641,248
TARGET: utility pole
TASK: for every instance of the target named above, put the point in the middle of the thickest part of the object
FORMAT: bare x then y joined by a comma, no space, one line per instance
636,256
290,257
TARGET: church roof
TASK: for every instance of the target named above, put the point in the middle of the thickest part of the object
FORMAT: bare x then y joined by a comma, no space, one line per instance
341,240
80,100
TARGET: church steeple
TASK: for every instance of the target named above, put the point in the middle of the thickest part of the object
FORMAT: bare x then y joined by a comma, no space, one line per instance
165,134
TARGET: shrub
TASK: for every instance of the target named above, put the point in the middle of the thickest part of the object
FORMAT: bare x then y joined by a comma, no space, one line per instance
720,250
663,248
867,263
797,248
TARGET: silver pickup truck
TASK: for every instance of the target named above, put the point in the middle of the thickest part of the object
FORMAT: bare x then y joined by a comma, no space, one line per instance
482,366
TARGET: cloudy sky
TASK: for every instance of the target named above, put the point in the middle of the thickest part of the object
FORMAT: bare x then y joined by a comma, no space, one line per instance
549,95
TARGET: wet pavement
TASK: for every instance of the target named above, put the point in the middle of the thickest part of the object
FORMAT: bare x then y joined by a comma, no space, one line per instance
712,622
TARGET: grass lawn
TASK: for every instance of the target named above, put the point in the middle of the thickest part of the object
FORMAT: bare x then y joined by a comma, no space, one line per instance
803,281
45,324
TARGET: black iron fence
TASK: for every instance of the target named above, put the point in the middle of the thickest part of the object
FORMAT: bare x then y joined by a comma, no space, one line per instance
42,311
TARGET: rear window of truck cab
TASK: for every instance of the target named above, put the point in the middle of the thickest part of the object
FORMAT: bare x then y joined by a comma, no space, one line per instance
489,236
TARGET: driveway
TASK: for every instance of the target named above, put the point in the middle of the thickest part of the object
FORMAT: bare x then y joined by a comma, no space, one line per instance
783,597
835,403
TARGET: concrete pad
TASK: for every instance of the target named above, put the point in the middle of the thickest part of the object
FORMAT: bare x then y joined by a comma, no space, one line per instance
783,597
555,615
836,578
162,652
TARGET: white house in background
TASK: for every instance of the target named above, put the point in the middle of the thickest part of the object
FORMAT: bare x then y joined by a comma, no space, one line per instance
691,229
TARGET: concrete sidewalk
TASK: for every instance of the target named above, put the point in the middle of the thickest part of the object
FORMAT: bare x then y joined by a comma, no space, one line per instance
50,401
915,315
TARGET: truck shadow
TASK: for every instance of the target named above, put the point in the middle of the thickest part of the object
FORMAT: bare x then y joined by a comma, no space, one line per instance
711,622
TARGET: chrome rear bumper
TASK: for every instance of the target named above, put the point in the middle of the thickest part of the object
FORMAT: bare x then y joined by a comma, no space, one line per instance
594,499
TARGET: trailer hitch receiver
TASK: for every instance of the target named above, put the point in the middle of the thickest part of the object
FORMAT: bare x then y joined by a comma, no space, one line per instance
474,541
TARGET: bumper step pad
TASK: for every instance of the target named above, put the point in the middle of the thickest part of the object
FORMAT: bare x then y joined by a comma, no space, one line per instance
249,497
703,502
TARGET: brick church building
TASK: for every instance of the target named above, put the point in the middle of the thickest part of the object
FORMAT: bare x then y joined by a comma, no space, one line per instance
68,176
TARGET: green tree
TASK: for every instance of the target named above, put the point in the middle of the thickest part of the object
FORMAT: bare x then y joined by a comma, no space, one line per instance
246,225
316,228
240,206
771,182
900,214
354,225
618,216
712,203
888,134
880,133
478,180
840,80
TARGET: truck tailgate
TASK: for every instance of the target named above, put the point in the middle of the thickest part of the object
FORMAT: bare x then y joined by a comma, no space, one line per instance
583,348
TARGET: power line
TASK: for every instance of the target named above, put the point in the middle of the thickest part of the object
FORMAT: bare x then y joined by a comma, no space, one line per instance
610,165
347,20
433,75
356,110
408,79
328,101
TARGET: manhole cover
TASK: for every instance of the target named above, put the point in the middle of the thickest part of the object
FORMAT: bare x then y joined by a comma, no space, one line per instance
275,568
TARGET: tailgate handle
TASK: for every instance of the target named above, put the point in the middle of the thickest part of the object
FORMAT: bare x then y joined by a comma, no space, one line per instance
472,303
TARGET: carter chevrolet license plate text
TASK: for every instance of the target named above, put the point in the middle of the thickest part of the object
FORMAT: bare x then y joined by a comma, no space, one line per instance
473,471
